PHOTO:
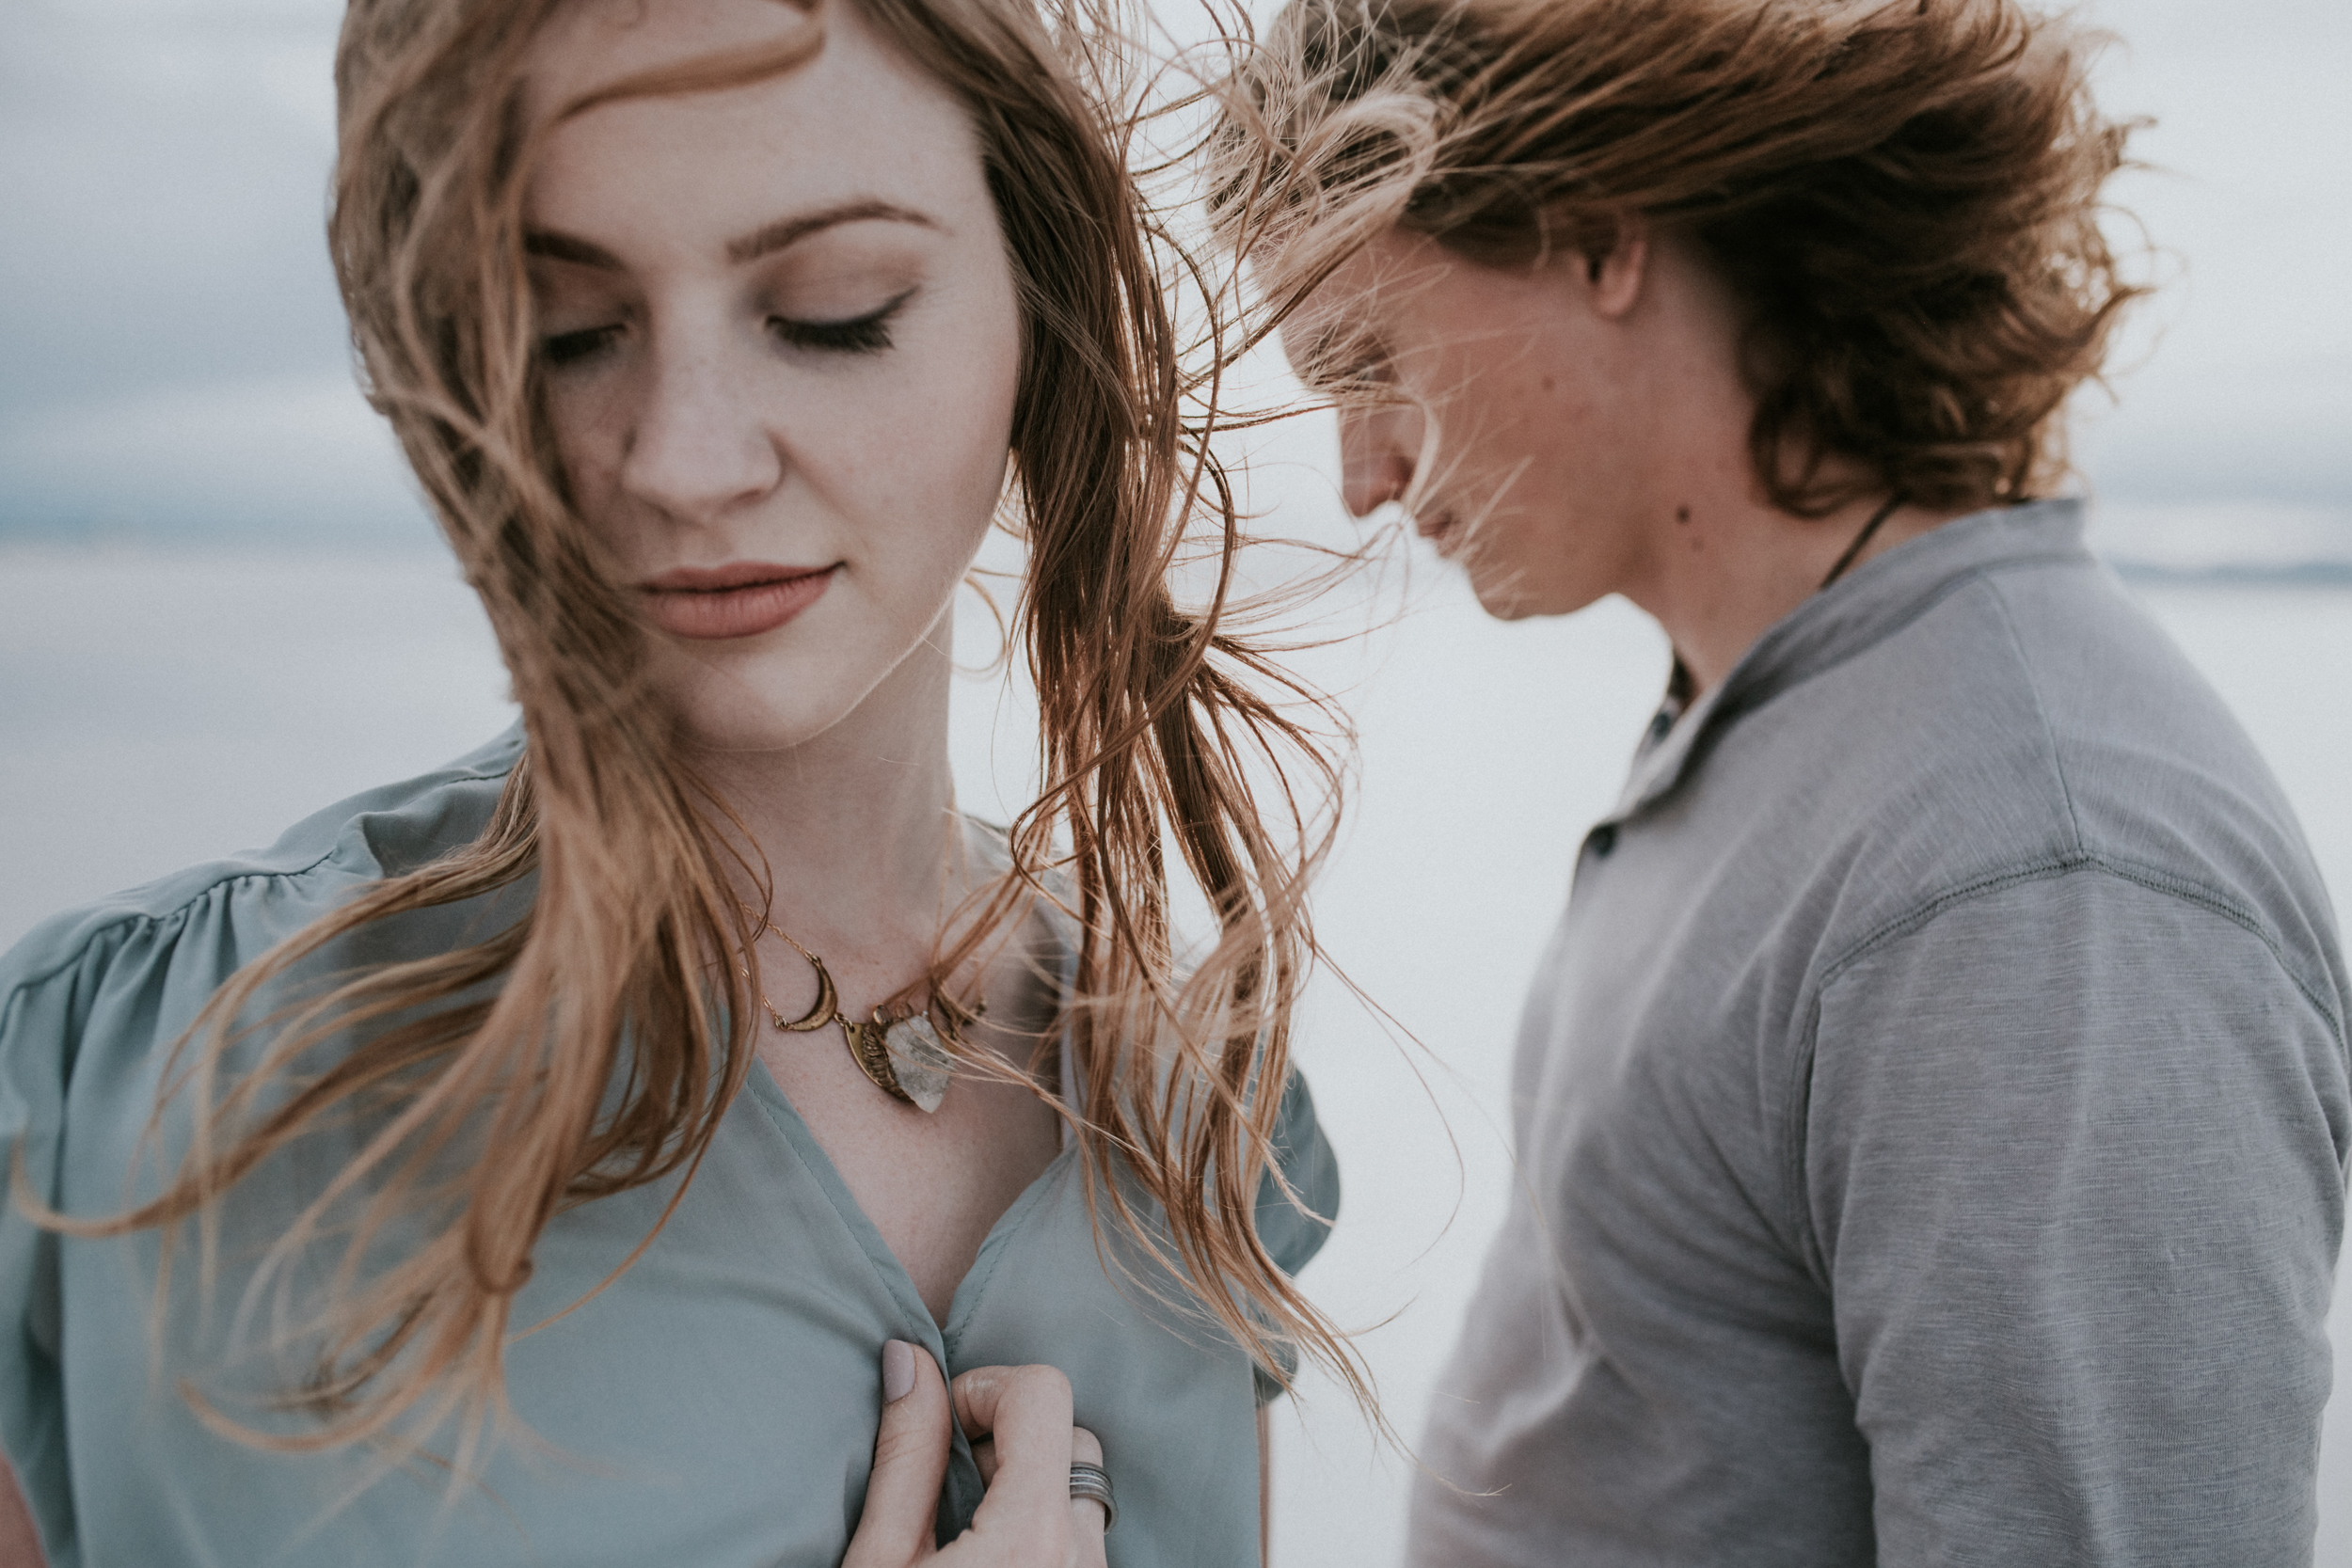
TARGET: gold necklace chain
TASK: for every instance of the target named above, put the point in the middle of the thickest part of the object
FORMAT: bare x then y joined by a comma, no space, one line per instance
903,1054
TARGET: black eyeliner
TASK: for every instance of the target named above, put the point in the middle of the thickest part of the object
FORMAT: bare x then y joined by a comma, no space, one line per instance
559,349
865,334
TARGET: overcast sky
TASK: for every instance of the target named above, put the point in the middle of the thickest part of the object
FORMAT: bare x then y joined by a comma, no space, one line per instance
173,355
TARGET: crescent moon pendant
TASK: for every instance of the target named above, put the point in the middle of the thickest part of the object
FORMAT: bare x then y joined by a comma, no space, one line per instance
827,1005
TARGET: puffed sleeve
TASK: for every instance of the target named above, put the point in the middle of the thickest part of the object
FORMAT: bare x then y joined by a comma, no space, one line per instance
91,1003
37,1028
76,975
1293,1232
1292,1226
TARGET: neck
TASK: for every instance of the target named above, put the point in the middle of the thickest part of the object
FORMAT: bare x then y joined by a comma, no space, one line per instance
1708,557
856,826
1728,566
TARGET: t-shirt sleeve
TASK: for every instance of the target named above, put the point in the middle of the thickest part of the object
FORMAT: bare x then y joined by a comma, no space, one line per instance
2073,1160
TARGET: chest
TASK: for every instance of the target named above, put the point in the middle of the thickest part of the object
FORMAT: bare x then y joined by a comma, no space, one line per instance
1657,1080
933,1183
715,1403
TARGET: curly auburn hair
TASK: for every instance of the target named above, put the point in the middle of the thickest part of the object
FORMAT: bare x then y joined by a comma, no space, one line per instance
1904,197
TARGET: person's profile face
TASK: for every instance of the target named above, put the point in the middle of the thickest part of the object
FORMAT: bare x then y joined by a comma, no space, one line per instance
1472,395
779,344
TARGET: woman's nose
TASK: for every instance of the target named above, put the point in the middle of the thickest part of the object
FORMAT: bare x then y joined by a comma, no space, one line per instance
697,448
1378,447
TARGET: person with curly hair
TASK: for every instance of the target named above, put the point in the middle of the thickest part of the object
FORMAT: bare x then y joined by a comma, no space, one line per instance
1931,1110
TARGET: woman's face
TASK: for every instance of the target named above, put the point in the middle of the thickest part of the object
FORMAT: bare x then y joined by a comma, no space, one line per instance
780,344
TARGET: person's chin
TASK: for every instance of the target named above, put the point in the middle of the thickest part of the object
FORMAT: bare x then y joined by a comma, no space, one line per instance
723,713
1500,593
751,734
1514,597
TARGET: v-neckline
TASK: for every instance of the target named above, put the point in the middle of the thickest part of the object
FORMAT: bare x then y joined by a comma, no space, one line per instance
886,1264
879,1256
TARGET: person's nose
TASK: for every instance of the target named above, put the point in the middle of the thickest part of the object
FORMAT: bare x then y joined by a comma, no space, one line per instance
1378,447
697,448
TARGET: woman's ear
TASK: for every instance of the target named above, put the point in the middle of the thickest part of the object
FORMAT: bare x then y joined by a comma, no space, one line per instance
1615,274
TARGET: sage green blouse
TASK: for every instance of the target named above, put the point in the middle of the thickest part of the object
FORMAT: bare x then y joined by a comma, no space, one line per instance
714,1407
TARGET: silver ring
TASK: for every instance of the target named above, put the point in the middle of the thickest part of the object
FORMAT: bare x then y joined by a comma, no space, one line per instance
1093,1484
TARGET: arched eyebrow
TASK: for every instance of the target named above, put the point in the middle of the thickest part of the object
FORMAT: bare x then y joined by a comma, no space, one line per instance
564,248
763,241
785,232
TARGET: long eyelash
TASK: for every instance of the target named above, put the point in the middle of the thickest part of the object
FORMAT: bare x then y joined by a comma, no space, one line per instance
569,348
865,334
1353,367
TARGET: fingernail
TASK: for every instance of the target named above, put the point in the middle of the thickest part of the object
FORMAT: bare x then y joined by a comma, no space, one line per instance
898,1371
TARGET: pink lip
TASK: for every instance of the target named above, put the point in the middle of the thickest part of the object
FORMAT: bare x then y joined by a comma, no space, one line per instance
1438,529
742,598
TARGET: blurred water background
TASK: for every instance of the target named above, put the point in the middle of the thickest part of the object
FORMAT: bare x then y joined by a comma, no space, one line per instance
221,606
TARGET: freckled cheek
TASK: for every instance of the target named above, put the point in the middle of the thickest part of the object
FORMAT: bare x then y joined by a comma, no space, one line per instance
964,415
968,422
588,443
920,459
1547,413
1504,431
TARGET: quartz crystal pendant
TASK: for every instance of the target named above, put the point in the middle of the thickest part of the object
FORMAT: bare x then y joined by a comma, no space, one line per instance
917,1059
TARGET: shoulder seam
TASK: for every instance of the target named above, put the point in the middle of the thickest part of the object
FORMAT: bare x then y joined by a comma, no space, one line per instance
2151,877
156,917
1792,1137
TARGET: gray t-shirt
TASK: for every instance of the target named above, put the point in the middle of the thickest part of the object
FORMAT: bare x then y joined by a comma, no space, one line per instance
1932,1115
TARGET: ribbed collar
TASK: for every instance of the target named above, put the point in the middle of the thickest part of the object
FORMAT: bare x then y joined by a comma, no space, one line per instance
1849,617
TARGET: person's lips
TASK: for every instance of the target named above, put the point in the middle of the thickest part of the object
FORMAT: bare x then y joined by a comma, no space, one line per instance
1442,529
743,598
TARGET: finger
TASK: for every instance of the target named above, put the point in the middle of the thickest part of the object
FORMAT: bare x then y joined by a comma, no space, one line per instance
1084,1449
910,1462
1089,1519
1026,1410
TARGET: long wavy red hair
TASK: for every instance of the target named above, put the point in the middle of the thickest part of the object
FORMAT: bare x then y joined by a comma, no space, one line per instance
596,1042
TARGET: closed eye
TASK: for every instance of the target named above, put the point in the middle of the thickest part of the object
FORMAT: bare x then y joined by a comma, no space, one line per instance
1365,367
1342,362
569,348
865,334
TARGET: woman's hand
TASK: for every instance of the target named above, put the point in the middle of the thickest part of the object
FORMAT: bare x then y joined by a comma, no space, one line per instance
1027,1519
20,1542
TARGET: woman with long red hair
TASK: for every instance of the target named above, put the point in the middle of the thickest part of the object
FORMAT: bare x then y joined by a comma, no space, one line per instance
564,1155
